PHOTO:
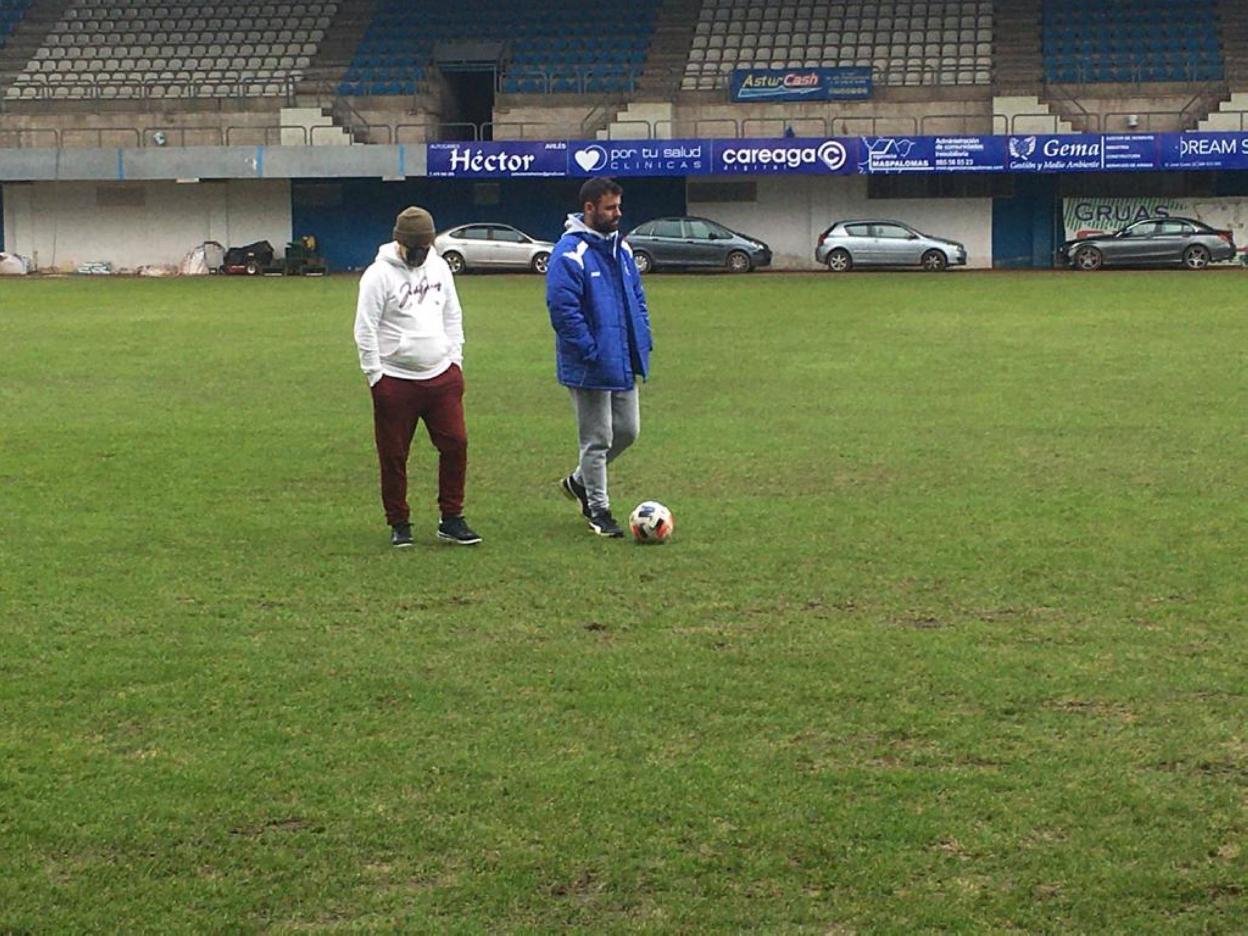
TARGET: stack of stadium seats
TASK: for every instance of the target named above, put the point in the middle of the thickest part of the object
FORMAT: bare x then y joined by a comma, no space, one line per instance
173,48
1095,41
562,46
11,13
903,42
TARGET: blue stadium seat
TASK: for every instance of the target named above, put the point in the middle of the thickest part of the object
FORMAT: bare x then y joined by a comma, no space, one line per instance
1162,42
563,39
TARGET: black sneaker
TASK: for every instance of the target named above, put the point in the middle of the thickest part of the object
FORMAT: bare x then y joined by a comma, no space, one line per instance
456,530
401,535
574,490
604,524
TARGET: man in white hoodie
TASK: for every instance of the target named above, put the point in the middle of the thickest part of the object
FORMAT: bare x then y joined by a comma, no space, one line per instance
410,335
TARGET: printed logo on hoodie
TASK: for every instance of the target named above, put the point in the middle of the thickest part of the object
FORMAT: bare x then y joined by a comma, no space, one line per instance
407,290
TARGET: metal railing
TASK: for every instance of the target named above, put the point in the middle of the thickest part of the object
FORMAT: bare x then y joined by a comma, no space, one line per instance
1085,72
149,88
97,133
1139,121
18,136
581,79
1056,120
965,121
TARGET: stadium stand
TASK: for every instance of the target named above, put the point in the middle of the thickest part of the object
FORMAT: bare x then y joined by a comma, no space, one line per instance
11,13
117,49
940,42
1088,41
564,46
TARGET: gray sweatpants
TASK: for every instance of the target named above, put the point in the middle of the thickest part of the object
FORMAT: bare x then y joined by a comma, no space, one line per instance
607,422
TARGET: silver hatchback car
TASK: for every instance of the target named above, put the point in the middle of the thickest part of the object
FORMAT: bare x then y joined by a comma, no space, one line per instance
492,247
849,244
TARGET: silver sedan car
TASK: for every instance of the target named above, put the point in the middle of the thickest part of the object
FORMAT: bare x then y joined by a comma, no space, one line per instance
849,244
492,247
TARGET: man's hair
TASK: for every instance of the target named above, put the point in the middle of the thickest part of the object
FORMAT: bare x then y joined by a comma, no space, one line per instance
597,187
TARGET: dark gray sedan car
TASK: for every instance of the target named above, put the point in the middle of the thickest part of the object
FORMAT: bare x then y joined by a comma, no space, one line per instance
1154,241
695,242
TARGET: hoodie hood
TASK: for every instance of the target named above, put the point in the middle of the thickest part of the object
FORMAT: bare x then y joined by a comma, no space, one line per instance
389,253
576,225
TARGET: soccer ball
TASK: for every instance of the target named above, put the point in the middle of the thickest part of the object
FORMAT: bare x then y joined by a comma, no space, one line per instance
651,522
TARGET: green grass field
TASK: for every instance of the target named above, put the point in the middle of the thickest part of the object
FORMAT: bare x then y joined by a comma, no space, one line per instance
951,637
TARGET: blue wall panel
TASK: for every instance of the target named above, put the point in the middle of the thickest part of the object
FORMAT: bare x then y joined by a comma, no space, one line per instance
1026,228
352,217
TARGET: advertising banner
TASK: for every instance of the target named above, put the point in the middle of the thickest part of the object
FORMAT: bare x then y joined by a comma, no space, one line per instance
1074,152
1063,152
513,159
931,154
801,84
1204,151
638,157
785,156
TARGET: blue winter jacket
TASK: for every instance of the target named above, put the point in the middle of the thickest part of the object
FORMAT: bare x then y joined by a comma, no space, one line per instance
598,310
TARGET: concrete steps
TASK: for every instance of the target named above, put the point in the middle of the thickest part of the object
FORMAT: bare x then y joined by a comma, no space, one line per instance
20,45
1229,115
311,126
669,49
1028,114
640,120
1018,58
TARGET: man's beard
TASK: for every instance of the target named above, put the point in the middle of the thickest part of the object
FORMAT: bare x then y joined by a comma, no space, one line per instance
604,225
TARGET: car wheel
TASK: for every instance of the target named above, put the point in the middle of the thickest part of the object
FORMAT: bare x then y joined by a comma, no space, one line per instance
934,261
454,260
643,261
541,262
1088,259
839,261
1196,257
739,262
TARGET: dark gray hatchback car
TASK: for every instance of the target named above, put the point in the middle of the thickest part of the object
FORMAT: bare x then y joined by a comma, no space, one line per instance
695,243
1153,241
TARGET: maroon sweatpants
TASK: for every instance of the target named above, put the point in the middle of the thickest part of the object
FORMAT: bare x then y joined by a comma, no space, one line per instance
397,406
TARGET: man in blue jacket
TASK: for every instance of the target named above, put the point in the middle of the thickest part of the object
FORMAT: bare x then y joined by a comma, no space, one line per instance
602,343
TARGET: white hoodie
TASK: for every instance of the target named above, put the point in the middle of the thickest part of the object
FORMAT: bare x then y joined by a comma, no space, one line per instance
408,322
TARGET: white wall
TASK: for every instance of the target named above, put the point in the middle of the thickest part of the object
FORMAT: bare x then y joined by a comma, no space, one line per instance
63,224
792,211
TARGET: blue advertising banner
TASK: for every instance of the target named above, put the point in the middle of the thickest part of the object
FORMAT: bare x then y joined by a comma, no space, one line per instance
1068,152
1075,152
885,155
1203,151
1131,151
801,84
639,157
514,159
787,155
969,154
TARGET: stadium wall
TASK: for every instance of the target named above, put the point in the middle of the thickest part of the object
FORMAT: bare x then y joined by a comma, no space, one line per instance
131,224
790,213
351,217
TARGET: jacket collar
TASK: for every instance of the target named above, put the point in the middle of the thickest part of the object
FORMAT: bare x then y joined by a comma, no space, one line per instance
576,226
